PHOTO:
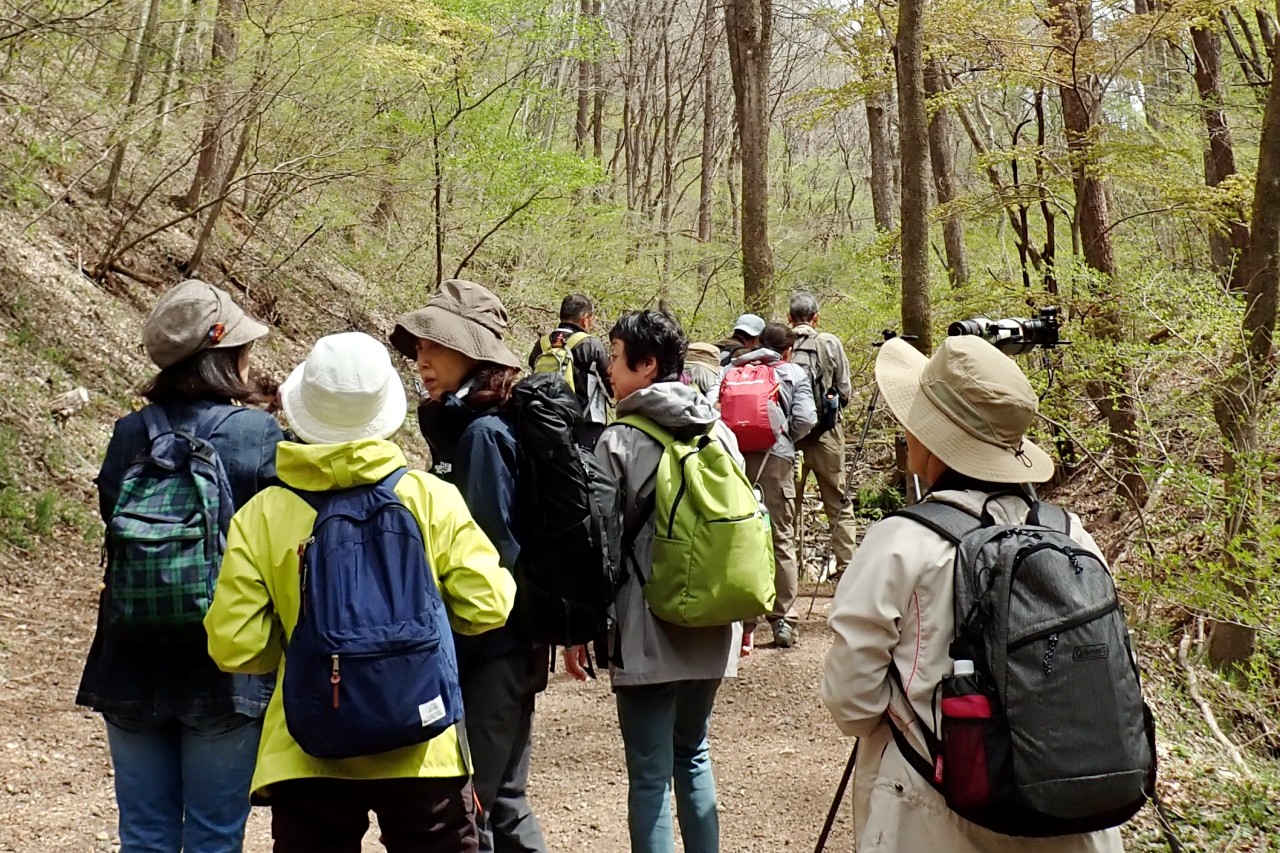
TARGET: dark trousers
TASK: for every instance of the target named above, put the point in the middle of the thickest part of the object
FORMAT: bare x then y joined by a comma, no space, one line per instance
414,815
498,695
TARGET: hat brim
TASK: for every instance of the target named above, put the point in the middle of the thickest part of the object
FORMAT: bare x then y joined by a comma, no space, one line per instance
453,332
312,430
898,369
246,331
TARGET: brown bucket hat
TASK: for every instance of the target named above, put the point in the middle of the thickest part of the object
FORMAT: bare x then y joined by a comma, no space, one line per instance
708,355
192,317
463,316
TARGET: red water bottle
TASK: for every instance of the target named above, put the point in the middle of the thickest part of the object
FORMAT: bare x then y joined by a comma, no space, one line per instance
966,722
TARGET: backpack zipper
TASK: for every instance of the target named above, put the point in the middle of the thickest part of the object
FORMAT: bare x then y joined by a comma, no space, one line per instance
1076,622
1072,554
335,679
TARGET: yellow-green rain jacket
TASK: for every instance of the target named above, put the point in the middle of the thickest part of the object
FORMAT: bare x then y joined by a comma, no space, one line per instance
256,603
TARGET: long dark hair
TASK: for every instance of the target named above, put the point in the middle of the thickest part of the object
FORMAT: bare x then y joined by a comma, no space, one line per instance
211,374
493,386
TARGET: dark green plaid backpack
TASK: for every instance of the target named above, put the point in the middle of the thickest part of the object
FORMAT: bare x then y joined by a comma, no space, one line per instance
168,530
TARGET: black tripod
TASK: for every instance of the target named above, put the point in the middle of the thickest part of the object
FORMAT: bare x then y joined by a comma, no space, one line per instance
847,495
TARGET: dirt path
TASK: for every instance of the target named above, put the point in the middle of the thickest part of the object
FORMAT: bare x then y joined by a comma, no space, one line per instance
777,756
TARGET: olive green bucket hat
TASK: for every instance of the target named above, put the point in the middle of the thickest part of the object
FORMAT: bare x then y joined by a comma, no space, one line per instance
462,316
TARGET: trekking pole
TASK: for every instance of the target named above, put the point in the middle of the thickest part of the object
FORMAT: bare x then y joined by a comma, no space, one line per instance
835,803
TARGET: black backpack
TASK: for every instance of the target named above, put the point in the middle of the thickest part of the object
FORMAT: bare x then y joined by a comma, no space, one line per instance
1049,735
570,519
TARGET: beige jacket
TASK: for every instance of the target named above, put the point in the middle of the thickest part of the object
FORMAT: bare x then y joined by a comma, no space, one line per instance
895,602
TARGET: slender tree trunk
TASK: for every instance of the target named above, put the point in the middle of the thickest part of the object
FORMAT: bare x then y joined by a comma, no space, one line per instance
217,106
749,24
169,80
1081,93
913,119
884,193
1240,402
707,177
141,59
1226,249
944,176
192,266
581,126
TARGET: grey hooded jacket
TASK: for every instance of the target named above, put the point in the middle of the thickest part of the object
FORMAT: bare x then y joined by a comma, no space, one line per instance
794,413
650,650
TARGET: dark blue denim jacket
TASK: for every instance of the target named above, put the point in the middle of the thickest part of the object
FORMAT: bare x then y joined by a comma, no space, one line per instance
134,679
476,451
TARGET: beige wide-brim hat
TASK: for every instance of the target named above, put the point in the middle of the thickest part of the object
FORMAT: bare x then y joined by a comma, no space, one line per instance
346,390
462,316
969,404
708,355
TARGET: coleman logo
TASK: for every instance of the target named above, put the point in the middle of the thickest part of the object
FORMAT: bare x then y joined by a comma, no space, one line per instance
1097,651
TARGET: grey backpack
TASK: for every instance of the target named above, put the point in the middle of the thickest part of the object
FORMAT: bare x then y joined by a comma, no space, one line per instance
1047,733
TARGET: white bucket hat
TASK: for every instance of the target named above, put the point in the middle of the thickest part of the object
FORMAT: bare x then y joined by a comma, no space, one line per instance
969,404
346,390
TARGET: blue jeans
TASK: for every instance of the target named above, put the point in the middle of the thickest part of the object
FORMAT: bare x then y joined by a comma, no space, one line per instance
664,734
182,783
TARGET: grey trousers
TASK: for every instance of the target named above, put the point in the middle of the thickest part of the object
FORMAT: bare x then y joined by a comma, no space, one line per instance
498,696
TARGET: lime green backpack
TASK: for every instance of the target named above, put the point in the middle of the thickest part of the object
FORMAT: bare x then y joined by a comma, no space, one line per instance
712,550
557,356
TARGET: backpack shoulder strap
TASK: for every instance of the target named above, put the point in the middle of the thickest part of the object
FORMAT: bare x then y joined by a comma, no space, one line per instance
1051,516
647,427
156,421
393,479
575,339
544,343
949,522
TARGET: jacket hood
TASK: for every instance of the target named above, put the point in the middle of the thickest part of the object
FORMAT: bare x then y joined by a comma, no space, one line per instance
671,405
763,355
322,467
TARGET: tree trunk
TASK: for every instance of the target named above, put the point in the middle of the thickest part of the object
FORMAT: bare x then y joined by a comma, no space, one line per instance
706,184
944,176
1240,401
884,194
913,119
1070,21
749,25
217,104
1227,249
582,126
141,59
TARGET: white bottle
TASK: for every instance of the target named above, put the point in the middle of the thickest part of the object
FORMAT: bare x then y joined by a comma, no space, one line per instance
961,668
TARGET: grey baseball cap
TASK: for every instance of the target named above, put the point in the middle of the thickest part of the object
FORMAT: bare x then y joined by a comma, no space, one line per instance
752,324
193,317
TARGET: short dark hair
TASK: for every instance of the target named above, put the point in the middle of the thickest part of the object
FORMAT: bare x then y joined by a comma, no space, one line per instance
211,374
652,334
803,308
574,307
777,337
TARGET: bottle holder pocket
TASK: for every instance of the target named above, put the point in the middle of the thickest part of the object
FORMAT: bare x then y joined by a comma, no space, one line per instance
966,725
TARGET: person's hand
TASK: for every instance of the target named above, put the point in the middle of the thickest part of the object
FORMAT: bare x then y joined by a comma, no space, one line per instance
575,662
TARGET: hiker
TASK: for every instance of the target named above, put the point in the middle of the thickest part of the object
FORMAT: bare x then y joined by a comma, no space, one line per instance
468,374
664,675
702,366
280,580
771,460
183,736
586,366
822,355
966,411
744,338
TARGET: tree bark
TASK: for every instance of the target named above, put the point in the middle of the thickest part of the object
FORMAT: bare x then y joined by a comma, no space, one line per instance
707,176
913,119
1227,250
1081,94
581,125
1240,401
749,25
217,106
884,193
141,59
944,176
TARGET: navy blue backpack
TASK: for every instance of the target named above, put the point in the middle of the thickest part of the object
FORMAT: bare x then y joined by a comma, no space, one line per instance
370,666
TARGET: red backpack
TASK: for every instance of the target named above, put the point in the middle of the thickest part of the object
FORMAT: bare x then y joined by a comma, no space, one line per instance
745,394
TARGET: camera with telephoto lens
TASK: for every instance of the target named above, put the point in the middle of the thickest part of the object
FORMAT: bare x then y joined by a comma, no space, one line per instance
1016,335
